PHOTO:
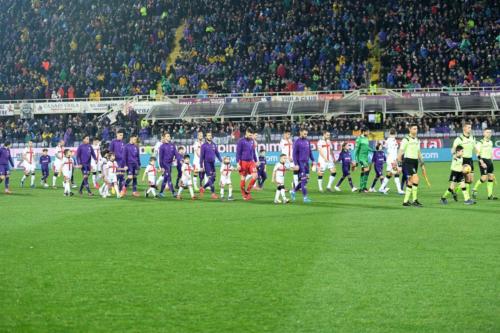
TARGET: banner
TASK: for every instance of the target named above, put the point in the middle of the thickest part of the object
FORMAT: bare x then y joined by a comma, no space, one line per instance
57,107
294,98
6,110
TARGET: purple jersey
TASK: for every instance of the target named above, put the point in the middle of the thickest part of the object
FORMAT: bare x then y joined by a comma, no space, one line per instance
167,153
117,147
209,152
378,159
44,162
84,153
5,157
302,151
131,155
245,150
262,164
345,158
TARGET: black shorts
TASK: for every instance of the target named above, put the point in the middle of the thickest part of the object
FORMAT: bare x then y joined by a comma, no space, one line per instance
470,162
410,166
489,167
456,176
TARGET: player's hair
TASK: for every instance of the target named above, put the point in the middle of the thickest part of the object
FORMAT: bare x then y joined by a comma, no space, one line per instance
249,130
45,149
413,125
364,129
104,152
467,123
392,131
287,130
66,151
325,131
181,148
120,131
111,154
96,139
302,129
282,155
487,129
6,143
459,148
152,158
262,150
378,145
187,156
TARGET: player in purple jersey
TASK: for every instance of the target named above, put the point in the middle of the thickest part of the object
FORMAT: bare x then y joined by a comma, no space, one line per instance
302,153
182,152
378,161
5,161
117,147
132,161
84,154
347,163
44,165
261,169
168,152
209,152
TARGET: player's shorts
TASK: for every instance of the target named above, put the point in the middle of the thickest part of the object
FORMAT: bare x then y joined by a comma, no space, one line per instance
96,166
303,169
363,164
379,171
346,170
133,170
247,168
470,162
186,181
4,170
85,169
196,164
322,166
489,167
56,166
391,166
289,165
45,171
209,168
225,180
29,167
410,166
67,174
456,176
112,178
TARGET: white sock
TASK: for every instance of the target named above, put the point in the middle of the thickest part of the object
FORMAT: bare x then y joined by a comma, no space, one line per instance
117,191
230,190
191,191
397,180
32,180
222,192
295,180
320,184
195,183
94,180
54,179
331,179
23,179
180,191
283,195
384,183
159,180
277,195
102,189
66,187
248,177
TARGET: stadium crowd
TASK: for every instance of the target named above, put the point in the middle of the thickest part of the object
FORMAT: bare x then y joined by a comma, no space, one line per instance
48,130
101,48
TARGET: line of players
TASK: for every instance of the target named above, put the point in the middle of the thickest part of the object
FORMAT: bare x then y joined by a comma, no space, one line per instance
119,166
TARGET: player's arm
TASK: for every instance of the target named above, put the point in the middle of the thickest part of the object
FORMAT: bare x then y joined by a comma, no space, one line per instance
238,152
456,142
92,153
145,173
274,175
217,154
311,156
320,150
202,157
11,161
161,153
295,153
356,150
78,153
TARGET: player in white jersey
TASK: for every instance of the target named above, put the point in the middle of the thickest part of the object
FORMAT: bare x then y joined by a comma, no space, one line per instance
96,165
151,172
56,166
326,161
391,146
66,169
225,178
196,161
187,178
29,164
110,176
286,147
156,152
279,172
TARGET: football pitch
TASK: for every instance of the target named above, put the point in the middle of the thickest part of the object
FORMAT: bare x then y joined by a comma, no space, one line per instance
348,262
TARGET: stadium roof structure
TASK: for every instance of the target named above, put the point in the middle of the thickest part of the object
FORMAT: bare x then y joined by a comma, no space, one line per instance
326,104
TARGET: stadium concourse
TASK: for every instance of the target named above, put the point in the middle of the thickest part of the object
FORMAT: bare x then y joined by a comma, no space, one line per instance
110,48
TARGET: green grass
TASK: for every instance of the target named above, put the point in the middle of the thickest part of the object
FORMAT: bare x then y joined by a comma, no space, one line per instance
345,263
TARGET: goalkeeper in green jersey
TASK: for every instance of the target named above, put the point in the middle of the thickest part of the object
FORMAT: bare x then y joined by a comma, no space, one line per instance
361,152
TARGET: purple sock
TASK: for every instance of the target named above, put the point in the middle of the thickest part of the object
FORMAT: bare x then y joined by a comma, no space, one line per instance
304,186
350,182
86,183
340,181
134,184
374,182
127,182
7,183
297,187
163,183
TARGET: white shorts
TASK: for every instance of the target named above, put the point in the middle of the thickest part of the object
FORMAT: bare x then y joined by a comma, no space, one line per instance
112,179
67,174
29,167
224,180
95,166
196,164
322,166
390,165
56,166
186,181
